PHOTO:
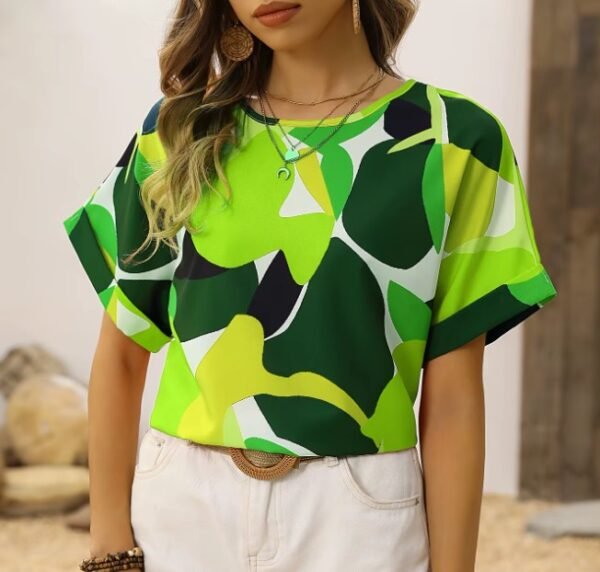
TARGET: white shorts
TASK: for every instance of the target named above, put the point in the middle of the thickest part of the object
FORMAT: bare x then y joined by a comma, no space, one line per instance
193,510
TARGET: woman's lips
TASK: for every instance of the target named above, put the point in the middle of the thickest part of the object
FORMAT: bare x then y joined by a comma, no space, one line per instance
278,17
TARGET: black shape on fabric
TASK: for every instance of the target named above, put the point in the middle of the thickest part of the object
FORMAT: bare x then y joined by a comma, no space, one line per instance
275,295
126,156
193,265
403,119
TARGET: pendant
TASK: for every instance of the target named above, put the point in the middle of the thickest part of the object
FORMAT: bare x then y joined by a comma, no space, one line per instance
283,171
291,155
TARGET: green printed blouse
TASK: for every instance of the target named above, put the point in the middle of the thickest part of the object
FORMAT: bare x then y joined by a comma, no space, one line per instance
299,320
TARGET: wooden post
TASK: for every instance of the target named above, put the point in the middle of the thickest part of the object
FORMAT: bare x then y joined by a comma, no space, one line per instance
560,438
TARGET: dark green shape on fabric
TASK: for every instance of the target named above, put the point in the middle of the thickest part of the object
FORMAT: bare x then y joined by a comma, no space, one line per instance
132,227
388,189
214,301
495,313
417,94
102,223
256,115
152,298
342,296
471,127
335,432
84,242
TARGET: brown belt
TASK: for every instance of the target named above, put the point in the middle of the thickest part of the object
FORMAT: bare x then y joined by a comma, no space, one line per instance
262,465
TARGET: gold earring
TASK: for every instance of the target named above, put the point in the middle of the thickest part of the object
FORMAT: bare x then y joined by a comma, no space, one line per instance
356,15
237,43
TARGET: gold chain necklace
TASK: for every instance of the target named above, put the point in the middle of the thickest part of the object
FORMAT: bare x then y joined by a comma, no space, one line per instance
343,97
306,137
292,156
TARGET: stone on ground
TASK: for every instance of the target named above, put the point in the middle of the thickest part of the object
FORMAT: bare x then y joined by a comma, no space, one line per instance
572,519
46,421
44,489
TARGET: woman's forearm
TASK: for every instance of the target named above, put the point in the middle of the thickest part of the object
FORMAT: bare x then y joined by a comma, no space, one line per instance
114,401
452,436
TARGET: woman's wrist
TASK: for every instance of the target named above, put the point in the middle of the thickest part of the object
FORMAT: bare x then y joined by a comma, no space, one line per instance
131,559
115,542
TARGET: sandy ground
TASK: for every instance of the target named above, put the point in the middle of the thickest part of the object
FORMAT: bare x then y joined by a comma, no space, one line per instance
46,544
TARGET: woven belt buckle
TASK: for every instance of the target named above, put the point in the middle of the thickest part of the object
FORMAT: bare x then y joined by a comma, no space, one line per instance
263,464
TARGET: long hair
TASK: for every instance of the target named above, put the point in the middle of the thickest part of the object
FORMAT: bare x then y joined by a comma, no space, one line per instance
196,124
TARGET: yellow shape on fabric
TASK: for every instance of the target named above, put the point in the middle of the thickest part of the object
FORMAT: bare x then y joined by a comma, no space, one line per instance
109,260
455,163
251,227
310,172
151,148
474,204
232,370
466,277
411,141
232,433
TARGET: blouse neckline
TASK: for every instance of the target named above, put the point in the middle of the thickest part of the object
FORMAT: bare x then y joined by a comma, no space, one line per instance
328,122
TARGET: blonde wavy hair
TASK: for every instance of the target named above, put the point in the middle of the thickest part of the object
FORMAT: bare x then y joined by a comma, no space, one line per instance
196,125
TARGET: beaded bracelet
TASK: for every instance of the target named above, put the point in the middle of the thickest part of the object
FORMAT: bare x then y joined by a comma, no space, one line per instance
124,560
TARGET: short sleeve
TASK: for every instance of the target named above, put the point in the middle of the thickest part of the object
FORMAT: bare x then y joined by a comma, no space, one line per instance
106,228
491,277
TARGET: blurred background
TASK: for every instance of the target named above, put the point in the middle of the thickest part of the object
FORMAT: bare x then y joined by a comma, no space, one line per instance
77,78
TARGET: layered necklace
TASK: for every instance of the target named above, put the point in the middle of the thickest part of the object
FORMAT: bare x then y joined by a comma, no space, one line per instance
292,154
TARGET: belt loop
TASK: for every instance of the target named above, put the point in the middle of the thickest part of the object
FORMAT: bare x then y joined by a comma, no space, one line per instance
331,460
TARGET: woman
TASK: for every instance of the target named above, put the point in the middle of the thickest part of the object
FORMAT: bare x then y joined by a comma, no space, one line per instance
308,232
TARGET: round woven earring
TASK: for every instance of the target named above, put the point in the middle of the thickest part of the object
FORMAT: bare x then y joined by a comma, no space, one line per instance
356,15
237,43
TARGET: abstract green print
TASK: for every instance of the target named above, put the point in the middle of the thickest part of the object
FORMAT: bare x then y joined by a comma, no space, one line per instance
300,318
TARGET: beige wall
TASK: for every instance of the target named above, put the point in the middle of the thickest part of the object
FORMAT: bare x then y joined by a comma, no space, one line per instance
79,77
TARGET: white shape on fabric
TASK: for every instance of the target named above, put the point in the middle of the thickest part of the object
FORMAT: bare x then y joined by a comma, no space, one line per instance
445,134
104,195
196,348
503,216
359,144
262,263
419,279
129,322
299,200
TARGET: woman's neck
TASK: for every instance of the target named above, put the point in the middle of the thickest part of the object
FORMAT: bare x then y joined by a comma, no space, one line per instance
333,64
